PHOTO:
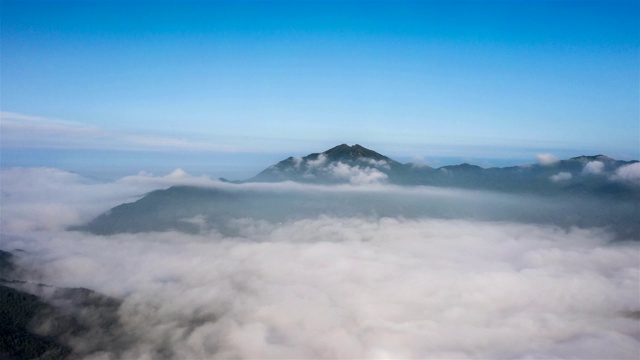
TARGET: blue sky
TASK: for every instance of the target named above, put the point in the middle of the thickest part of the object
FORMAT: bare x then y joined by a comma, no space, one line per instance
490,82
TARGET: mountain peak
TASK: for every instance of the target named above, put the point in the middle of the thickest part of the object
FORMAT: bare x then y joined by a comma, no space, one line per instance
350,153
339,164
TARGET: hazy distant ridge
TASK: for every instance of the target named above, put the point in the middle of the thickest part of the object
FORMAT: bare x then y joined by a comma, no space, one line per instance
356,164
584,191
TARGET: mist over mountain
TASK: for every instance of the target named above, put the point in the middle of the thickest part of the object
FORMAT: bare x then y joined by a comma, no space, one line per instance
355,181
341,263
358,165
47,322
340,164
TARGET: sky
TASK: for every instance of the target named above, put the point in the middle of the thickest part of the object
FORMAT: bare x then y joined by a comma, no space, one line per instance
102,101
227,88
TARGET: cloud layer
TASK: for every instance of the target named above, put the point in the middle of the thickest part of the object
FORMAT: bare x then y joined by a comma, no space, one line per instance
332,287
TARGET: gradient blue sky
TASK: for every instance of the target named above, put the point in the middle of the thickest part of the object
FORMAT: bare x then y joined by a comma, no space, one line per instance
489,82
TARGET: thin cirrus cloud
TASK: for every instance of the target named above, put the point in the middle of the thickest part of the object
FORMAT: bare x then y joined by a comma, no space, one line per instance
329,286
27,131
23,123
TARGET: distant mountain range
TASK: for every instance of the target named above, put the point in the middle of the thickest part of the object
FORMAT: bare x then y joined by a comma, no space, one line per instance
581,191
359,165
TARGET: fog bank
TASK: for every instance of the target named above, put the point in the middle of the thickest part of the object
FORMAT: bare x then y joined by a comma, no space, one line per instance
331,287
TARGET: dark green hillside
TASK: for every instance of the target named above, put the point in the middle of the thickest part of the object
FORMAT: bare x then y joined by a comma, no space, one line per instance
68,313
345,152
18,311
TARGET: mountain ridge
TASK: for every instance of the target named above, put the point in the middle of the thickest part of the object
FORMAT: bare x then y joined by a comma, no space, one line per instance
359,165
582,180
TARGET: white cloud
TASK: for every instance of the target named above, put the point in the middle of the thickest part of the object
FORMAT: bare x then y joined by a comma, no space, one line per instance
297,161
421,162
334,287
355,174
630,173
378,163
593,168
358,288
176,177
318,162
546,159
561,176
51,199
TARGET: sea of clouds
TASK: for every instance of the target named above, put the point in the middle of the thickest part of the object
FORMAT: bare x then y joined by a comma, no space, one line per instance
328,286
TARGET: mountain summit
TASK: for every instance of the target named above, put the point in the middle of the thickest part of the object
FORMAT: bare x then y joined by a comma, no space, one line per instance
343,163
345,152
